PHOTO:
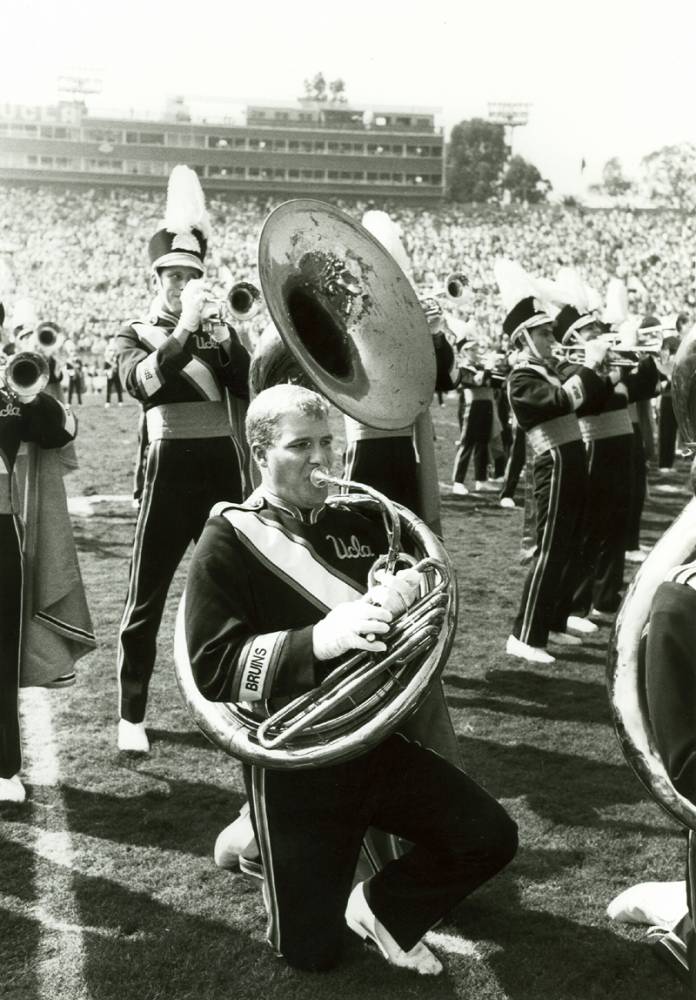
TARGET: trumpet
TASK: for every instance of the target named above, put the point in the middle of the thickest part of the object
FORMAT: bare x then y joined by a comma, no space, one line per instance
23,375
455,287
49,339
242,301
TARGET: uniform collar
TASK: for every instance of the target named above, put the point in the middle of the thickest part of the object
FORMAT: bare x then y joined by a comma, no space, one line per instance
262,497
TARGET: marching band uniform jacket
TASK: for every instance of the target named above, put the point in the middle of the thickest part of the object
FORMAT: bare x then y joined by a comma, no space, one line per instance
545,408
194,455
262,574
49,425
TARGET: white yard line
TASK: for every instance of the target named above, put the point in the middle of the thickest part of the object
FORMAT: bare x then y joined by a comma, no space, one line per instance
56,908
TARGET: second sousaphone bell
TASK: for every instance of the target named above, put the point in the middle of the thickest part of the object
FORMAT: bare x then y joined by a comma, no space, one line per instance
347,313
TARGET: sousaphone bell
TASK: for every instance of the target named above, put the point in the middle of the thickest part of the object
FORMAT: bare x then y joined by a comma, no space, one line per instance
347,313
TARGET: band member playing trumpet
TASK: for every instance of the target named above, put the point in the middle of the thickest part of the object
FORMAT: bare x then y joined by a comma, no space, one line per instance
25,415
545,407
271,603
188,376
594,579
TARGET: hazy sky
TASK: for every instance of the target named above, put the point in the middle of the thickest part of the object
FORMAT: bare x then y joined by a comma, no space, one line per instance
604,78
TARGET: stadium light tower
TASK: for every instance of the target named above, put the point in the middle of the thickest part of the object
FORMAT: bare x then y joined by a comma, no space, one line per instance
510,114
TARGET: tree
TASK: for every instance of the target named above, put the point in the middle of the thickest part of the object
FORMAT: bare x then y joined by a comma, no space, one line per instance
475,160
668,176
524,182
614,183
317,89
337,89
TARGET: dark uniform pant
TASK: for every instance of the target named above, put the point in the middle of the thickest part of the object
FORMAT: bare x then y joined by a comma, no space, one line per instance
667,438
475,439
515,464
183,480
637,490
310,824
10,631
601,559
560,482
386,464
113,384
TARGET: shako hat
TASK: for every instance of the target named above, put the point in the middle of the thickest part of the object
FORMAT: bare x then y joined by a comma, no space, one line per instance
183,237
577,310
519,294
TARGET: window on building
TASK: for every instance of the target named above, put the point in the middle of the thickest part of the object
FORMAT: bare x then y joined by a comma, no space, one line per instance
319,147
319,175
279,172
240,143
282,116
307,147
280,144
293,174
293,147
132,137
253,171
332,175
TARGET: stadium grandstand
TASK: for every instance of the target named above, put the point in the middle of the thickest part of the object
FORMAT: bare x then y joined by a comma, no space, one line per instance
301,148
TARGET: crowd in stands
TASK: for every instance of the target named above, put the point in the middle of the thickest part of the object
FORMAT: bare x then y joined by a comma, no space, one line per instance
80,254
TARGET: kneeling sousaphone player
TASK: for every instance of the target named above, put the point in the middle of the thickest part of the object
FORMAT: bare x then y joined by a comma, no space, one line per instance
269,606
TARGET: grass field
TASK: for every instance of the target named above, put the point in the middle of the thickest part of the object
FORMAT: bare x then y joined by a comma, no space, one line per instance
108,889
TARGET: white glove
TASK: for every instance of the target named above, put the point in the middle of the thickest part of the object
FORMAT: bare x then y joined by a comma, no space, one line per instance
347,626
595,352
395,592
220,333
192,300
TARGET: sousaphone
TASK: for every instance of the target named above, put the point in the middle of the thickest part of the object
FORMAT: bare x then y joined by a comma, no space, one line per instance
355,328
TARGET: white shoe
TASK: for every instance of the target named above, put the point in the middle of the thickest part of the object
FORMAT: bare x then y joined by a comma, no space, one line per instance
507,502
12,789
235,841
132,737
665,470
603,617
575,625
565,639
365,924
533,654
484,486
460,489
660,903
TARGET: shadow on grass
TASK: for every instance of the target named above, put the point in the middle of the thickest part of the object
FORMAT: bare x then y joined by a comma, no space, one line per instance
178,737
529,695
564,788
544,955
187,819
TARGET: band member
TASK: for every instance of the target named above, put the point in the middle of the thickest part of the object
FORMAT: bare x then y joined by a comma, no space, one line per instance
74,369
40,419
113,382
667,429
303,605
593,579
544,407
477,404
189,377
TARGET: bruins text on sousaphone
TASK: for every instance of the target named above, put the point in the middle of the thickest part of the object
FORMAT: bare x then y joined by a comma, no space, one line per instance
353,323
625,669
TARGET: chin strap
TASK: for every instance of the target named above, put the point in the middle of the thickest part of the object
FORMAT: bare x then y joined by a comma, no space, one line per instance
531,346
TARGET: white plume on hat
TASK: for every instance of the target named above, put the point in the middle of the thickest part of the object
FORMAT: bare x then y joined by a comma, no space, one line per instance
384,229
514,282
186,209
24,315
573,289
616,308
